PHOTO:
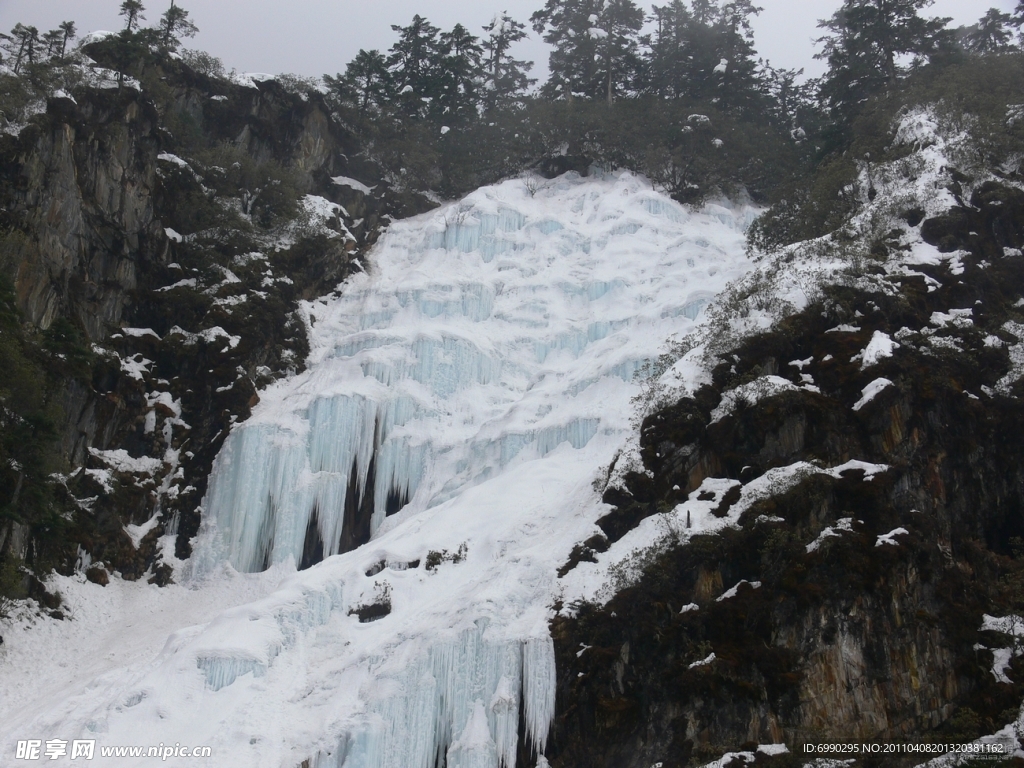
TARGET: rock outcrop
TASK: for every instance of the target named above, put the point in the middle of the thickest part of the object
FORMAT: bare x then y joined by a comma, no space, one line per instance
178,278
859,596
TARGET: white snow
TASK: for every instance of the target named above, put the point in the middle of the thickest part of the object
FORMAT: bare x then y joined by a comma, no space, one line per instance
917,128
189,282
844,328
880,347
734,590
138,532
870,392
250,79
209,335
959,318
869,469
1012,626
103,478
730,758
140,332
1016,351
169,158
770,519
890,537
750,394
485,362
703,662
136,366
352,183
120,461
623,563
843,525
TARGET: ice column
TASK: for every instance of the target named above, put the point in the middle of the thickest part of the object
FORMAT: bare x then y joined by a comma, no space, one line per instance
460,702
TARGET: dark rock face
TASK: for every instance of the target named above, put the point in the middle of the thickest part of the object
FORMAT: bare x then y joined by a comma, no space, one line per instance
113,233
85,179
847,637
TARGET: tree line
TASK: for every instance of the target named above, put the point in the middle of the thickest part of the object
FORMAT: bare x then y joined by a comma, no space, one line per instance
702,50
25,45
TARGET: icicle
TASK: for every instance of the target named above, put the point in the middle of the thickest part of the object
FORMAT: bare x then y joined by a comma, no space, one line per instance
222,672
460,702
475,747
539,689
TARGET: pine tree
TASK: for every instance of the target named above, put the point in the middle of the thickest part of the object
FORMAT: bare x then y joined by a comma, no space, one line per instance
459,74
670,58
51,41
68,32
174,25
23,45
1017,17
565,24
505,79
596,45
620,22
366,84
132,12
737,65
790,103
865,39
705,12
412,62
705,53
991,34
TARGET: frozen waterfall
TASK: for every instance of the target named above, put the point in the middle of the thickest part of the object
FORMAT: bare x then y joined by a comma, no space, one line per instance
408,499
443,365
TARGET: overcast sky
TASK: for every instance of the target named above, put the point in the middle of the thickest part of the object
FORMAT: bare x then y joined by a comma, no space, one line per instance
314,37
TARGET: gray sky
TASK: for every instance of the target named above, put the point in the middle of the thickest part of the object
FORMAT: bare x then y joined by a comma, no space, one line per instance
314,37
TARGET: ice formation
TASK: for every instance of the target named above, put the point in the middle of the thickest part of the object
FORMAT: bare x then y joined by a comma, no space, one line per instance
459,340
439,453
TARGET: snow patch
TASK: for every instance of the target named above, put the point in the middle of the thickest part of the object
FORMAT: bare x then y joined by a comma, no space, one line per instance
870,392
880,347
138,532
358,186
843,525
890,537
709,659
120,461
734,590
750,394
140,332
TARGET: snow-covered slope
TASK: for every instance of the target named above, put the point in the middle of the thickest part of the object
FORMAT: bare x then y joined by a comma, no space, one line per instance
485,368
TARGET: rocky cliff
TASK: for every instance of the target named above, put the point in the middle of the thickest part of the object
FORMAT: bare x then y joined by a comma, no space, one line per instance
843,605
166,231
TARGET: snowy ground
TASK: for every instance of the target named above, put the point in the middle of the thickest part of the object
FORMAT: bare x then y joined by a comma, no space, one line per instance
487,363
